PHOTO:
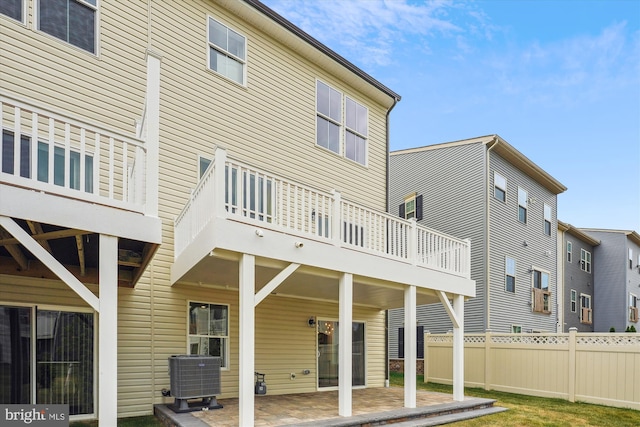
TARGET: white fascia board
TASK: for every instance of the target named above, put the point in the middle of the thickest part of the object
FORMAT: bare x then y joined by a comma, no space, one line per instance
55,210
241,238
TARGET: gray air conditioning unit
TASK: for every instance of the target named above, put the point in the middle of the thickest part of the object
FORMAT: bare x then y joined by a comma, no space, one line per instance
194,377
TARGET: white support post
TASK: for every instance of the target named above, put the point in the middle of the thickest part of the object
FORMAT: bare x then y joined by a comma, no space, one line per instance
458,349
247,340
220,183
108,332
345,349
152,140
410,346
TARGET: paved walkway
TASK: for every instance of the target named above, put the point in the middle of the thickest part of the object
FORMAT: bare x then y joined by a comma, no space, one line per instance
280,410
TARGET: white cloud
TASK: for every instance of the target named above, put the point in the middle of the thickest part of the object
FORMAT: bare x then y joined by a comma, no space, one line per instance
369,32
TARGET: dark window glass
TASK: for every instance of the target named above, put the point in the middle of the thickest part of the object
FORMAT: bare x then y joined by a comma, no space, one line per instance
15,355
69,20
12,8
522,214
547,228
511,284
8,152
500,194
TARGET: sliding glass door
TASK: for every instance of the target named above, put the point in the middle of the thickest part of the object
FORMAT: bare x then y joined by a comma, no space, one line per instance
49,361
328,353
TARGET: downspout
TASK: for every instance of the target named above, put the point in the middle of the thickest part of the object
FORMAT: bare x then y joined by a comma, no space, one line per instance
386,208
487,251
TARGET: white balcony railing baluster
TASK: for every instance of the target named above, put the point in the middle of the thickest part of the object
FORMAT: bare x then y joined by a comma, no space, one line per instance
61,155
255,196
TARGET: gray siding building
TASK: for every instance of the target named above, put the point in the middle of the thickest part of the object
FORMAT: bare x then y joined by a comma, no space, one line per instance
485,190
576,278
617,279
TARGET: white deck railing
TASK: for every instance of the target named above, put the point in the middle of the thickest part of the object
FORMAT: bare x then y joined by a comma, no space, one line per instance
233,190
57,154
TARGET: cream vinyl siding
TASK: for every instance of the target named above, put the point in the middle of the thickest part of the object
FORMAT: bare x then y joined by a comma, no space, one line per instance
108,88
270,123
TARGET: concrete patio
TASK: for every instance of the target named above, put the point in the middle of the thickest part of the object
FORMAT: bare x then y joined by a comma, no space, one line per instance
373,406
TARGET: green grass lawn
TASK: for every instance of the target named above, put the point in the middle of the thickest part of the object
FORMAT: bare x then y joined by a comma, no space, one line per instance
535,411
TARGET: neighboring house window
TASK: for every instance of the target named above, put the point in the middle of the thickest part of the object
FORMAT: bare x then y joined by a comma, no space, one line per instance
227,51
499,187
547,219
510,271
356,131
569,251
420,343
412,207
585,260
522,206
541,293
353,234
73,21
251,196
586,313
329,117
42,173
203,165
516,329
633,308
574,303
209,330
13,9
630,258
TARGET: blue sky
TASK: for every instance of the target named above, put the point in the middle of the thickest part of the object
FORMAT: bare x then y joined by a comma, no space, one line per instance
557,79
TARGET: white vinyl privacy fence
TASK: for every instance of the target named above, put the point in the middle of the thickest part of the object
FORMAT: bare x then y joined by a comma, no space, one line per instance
595,368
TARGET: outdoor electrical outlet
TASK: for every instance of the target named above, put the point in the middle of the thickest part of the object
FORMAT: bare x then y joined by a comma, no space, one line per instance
293,376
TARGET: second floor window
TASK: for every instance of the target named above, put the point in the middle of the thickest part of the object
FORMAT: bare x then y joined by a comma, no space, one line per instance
329,117
569,251
12,8
574,297
522,206
227,52
356,130
73,21
547,219
510,274
630,258
585,260
412,207
499,187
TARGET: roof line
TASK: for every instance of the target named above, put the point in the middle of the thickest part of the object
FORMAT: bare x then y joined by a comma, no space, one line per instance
261,7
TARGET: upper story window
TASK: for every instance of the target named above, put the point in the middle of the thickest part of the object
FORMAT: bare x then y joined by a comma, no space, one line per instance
74,21
585,260
13,9
510,274
209,331
633,308
541,293
499,187
522,205
227,52
569,251
356,131
412,207
203,165
329,117
547,219
516,329
574,297
630,258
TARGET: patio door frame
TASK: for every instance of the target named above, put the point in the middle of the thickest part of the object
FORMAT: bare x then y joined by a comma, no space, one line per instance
33,354
319,321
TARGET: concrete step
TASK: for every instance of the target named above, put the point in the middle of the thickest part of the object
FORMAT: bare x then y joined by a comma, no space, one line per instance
450,418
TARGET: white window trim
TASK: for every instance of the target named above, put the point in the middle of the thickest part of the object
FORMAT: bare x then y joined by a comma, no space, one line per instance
524,204
407,199
506,273
36,20
573,301
340,124
546,207
495,185
583,267
244,61
569,249
25,10
228,336
587,297
355,132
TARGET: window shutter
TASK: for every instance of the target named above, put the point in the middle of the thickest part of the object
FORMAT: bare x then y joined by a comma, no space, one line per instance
419,207
400,343
420,340
401,213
